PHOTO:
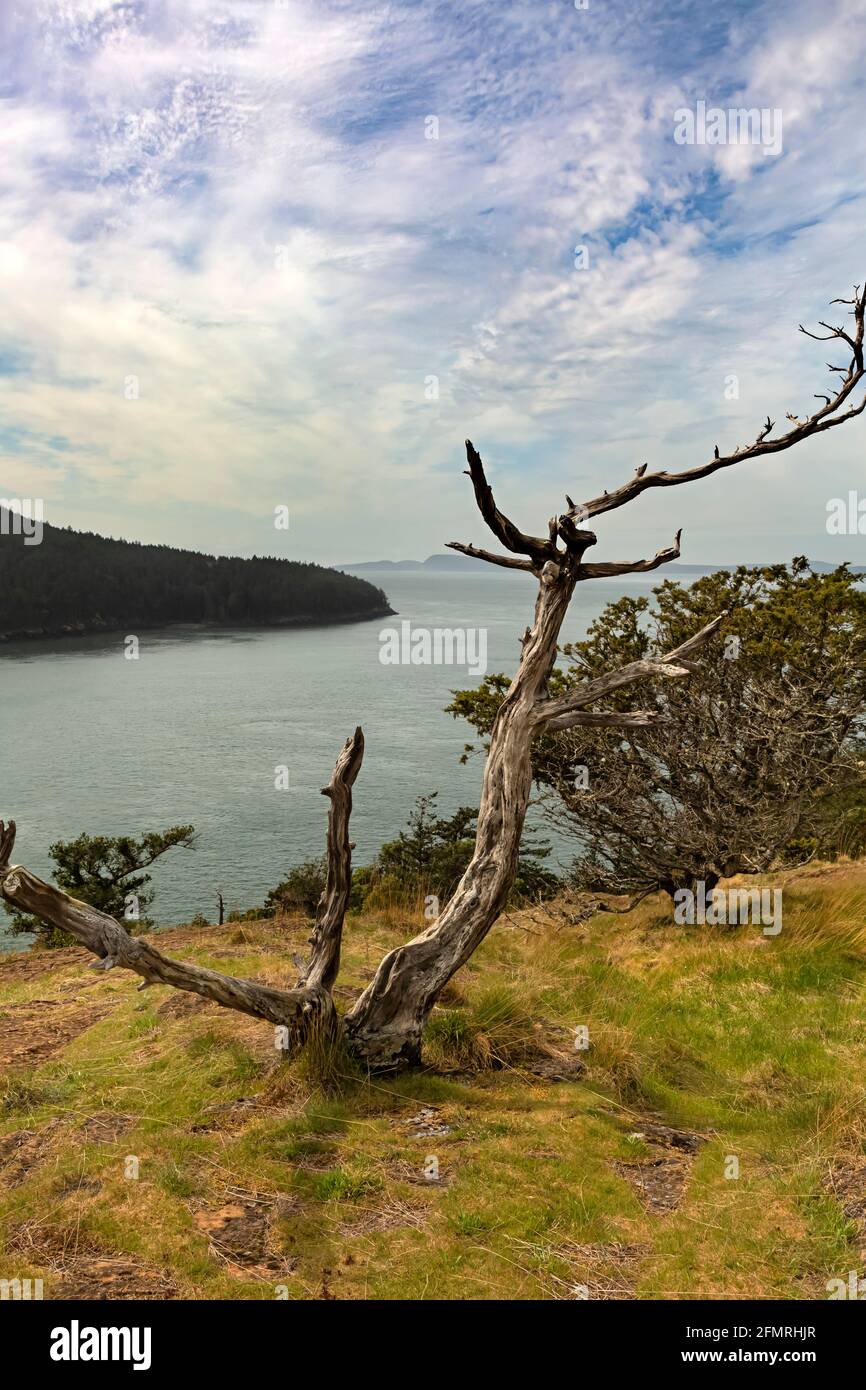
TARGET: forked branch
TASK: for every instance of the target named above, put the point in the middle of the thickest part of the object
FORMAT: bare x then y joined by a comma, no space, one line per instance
114,946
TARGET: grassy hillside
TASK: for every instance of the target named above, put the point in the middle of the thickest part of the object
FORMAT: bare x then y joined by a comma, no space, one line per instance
556,1168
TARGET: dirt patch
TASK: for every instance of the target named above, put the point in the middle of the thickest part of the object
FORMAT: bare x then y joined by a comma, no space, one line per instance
846,1182
52,1245
105,1127
82,1269
686,1140
32,1032
660,1181
28,965
426,1124
23,1151
111,1277
558,1067
241,1234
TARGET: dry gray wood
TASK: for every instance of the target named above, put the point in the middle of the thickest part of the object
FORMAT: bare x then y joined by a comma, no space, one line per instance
326,940
610,569
298,1009
556,714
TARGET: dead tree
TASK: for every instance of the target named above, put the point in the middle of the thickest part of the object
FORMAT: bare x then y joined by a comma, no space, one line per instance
384,1026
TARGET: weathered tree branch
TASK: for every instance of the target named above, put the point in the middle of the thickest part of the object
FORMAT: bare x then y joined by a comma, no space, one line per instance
326,940
576,541
600,906
538,548
507,561
555,714
613,568
824,419
308,1007
608,719
113,945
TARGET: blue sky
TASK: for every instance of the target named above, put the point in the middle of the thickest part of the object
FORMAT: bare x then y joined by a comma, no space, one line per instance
238,206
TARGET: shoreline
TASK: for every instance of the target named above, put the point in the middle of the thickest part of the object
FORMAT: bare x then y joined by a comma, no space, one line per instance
95,628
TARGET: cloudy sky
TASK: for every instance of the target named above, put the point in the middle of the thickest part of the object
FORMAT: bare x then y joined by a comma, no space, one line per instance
258,253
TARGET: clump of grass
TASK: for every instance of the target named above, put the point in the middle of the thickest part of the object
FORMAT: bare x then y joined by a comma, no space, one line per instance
203,1044
613,1060
324,1064
451,1040
234,1061
494,1032
21,1095
145,1024
343,1185
470,1223
815,919
177,1182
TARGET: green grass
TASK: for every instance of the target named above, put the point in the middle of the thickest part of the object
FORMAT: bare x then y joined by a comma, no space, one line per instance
756,1043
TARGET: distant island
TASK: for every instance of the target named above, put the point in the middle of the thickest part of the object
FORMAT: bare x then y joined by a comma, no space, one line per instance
433,562
455,561
75,582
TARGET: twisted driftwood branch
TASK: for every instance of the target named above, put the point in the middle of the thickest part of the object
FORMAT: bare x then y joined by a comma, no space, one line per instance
309,1006
827,417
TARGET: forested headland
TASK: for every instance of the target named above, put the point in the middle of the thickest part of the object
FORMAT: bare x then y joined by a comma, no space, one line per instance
76,582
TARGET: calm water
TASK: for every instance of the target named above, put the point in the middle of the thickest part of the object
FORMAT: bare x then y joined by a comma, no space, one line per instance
193,730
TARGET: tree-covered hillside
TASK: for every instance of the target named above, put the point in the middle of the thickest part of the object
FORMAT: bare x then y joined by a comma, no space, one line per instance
75,581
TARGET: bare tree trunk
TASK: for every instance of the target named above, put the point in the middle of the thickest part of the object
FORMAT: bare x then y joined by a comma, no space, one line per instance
384,1026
